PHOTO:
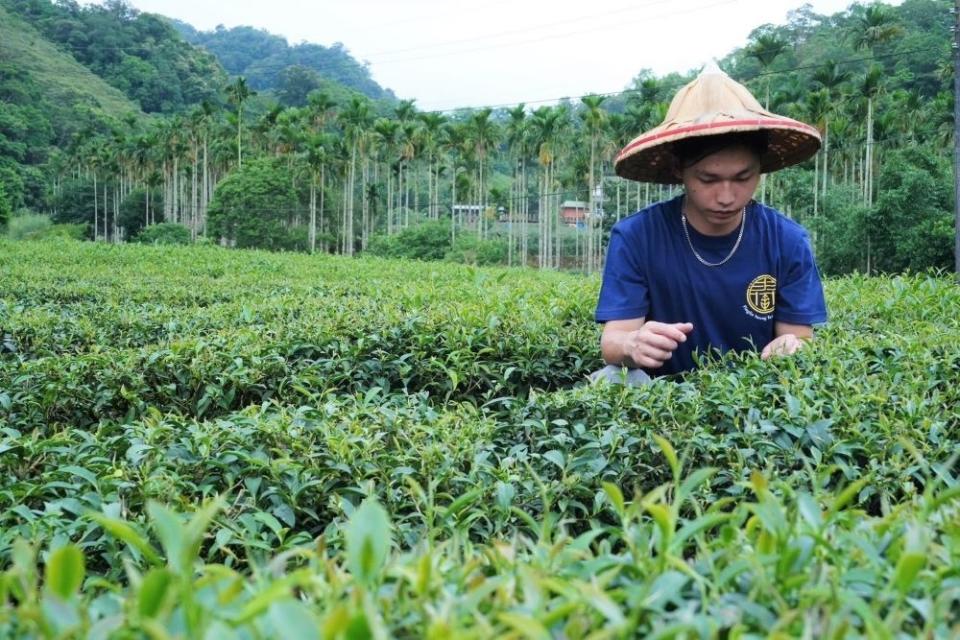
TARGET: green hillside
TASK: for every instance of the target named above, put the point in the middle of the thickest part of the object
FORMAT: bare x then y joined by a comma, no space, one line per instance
138,53
64,80
269,62
46,99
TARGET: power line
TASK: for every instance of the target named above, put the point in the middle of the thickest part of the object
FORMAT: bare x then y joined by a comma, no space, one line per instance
680,82
607,13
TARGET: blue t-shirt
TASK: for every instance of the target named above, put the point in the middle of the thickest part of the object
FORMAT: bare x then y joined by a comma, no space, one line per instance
652,273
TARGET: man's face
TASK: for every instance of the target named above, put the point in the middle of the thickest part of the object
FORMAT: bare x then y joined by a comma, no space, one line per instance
718,187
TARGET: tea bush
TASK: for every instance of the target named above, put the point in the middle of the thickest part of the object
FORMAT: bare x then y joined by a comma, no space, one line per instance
204,443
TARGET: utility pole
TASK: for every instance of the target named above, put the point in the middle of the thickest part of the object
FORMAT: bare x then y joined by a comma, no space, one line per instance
955,10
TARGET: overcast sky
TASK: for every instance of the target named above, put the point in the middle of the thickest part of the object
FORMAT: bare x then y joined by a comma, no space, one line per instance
452,53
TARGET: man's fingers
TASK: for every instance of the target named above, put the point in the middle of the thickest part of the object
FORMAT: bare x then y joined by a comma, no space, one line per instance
676,332
646,355
654,343
784,345
649,362
661,341
657,354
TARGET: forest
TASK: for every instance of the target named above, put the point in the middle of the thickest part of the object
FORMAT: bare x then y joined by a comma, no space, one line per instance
339,171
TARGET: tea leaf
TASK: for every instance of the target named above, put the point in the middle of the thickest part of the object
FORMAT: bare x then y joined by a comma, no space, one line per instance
154,591
65,571
368,540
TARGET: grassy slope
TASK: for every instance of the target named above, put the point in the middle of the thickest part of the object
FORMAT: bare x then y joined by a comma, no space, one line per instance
65,80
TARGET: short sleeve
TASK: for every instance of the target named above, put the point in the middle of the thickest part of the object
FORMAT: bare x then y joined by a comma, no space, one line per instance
624,294
800,294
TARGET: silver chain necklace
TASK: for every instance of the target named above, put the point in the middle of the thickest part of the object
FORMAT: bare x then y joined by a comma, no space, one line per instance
736,245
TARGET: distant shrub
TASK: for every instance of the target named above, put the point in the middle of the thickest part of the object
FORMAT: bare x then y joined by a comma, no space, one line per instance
468,249
76,231
426,241
28,226
164,233
431,241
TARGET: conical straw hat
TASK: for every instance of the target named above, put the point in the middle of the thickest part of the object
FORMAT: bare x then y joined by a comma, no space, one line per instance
714,104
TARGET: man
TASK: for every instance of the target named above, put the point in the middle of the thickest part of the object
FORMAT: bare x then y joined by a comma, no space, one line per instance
712,269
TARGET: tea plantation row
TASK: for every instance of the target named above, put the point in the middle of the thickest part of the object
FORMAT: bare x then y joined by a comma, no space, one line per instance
366,448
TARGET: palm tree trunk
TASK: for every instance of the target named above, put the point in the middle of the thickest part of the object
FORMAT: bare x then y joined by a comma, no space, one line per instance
351,190
95,206
826,156
524,216
868,168
591,213
239,129
816,185
323,245
480,197
176,189
406,200
205,197
194,194
399,207
541,232
555,222
364,204
453,204
313,214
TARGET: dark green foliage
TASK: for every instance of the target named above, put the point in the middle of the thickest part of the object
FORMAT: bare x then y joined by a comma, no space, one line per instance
296,83
12,185
133,211
5,209
840,233
236,48
432,241
74,202
913,219
468,249
269,62
427,241
166,233
256,206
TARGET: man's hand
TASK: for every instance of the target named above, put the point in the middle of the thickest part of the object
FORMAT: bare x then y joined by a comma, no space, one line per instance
783,345
653,344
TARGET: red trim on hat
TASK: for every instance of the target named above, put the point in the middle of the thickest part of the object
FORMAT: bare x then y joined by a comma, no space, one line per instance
778,124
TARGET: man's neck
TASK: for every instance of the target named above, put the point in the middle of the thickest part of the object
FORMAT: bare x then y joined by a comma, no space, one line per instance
707,226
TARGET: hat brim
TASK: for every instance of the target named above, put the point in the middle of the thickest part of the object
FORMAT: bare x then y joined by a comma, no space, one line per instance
649,157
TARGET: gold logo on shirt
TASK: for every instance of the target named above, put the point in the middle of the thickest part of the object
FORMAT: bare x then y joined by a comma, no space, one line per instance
762,294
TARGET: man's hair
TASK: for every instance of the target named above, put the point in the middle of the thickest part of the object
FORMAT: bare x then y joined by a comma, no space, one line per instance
690,151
